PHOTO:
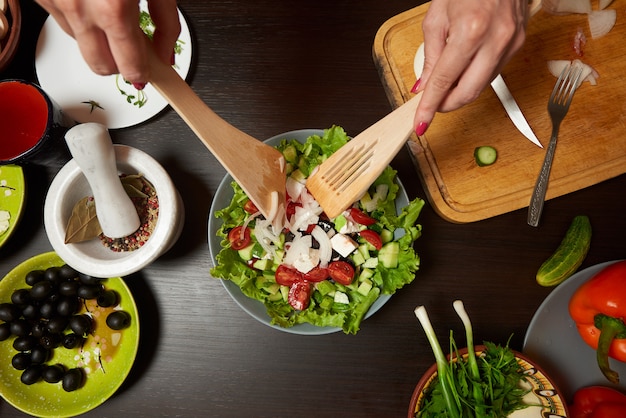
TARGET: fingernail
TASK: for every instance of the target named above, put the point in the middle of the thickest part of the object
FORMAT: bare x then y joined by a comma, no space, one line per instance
416,85
421,128
173,58
139,86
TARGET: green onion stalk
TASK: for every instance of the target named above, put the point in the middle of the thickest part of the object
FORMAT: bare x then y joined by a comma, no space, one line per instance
444,374
471,358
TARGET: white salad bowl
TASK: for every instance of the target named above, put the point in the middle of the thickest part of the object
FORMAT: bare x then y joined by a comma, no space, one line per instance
92,257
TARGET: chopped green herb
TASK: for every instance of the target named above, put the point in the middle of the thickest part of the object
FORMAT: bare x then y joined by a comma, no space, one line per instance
94,105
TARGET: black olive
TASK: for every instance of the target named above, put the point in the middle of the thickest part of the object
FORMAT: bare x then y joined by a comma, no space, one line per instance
38,329
39,355
52,275
47,310
33,277
72,340
9,312
73,379
89,291
67,273
68,306
57,324
20,327
20,361
30,312
107,298
325,224
5,331
24,343
118,320
53,373
89,280
41,290
80,324
31,375
68,288
50,341
20,296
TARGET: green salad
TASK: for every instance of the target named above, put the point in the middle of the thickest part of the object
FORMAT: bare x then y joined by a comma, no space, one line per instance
326,272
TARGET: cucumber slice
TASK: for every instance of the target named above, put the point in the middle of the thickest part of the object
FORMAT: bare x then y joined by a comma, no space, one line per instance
485,155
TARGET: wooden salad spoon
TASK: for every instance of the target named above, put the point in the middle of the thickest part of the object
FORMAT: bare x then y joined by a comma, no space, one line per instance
257,167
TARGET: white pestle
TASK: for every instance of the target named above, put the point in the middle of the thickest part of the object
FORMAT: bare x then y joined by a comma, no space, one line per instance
90,145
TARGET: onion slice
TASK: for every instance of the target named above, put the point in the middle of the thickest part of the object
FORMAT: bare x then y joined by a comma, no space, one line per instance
564,7
589,73
603,4
601,22
326,249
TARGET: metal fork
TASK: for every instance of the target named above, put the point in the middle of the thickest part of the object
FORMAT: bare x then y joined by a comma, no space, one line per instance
558,105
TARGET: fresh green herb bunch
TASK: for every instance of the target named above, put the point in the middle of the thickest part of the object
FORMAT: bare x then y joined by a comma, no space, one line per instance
484,386
500,386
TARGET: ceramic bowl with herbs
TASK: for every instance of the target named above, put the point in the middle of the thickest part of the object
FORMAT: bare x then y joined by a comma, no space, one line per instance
488,380
69,214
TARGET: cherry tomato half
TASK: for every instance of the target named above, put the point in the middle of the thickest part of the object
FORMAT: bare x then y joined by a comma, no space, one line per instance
250,207
372,237
361,217
341,271
237,239
317,274
299,295
287,276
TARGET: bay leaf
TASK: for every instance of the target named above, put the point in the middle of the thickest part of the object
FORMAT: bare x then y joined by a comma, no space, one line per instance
83,224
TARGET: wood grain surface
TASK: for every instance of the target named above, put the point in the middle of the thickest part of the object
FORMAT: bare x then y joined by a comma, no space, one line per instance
592,139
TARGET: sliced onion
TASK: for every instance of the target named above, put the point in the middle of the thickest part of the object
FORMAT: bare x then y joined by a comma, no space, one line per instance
326,249
564,7
300,244
579,42
266,238
294,188
601,22
589,73
603,4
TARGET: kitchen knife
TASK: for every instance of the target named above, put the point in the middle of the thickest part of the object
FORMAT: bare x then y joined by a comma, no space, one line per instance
513,110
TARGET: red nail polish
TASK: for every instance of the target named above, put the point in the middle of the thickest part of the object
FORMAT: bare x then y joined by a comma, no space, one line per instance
421,128
173,58
139,86
416,85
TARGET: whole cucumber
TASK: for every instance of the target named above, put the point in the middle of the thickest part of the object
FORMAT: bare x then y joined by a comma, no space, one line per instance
569,255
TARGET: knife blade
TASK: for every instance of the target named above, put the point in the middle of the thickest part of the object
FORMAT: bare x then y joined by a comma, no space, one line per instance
513,110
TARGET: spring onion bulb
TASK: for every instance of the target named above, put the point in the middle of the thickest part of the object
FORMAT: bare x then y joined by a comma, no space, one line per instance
443,371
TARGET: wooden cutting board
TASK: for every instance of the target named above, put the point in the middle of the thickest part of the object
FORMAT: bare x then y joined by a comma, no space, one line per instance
592,139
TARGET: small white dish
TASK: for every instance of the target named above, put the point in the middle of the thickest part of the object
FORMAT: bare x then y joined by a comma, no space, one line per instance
92,257
87,97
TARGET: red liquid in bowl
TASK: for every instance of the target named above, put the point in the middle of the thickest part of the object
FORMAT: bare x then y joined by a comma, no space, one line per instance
23,118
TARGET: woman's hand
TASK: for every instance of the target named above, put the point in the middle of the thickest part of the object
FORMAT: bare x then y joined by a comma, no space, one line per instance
109,36
466,44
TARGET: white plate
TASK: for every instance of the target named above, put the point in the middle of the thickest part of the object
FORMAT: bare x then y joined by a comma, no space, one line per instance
254,308
67,78
553,341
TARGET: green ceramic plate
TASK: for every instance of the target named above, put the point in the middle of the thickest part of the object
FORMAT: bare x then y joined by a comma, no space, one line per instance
12,193
106,357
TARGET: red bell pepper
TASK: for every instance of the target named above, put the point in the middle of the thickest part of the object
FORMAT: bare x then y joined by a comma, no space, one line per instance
598,402
599,308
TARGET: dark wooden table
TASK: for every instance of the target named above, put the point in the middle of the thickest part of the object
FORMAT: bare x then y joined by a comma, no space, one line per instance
269,67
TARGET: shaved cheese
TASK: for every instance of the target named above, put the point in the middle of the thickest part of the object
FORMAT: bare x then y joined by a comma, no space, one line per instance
563,7
601,22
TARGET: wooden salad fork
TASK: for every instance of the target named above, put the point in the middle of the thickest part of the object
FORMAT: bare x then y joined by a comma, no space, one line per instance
257,167
347,174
